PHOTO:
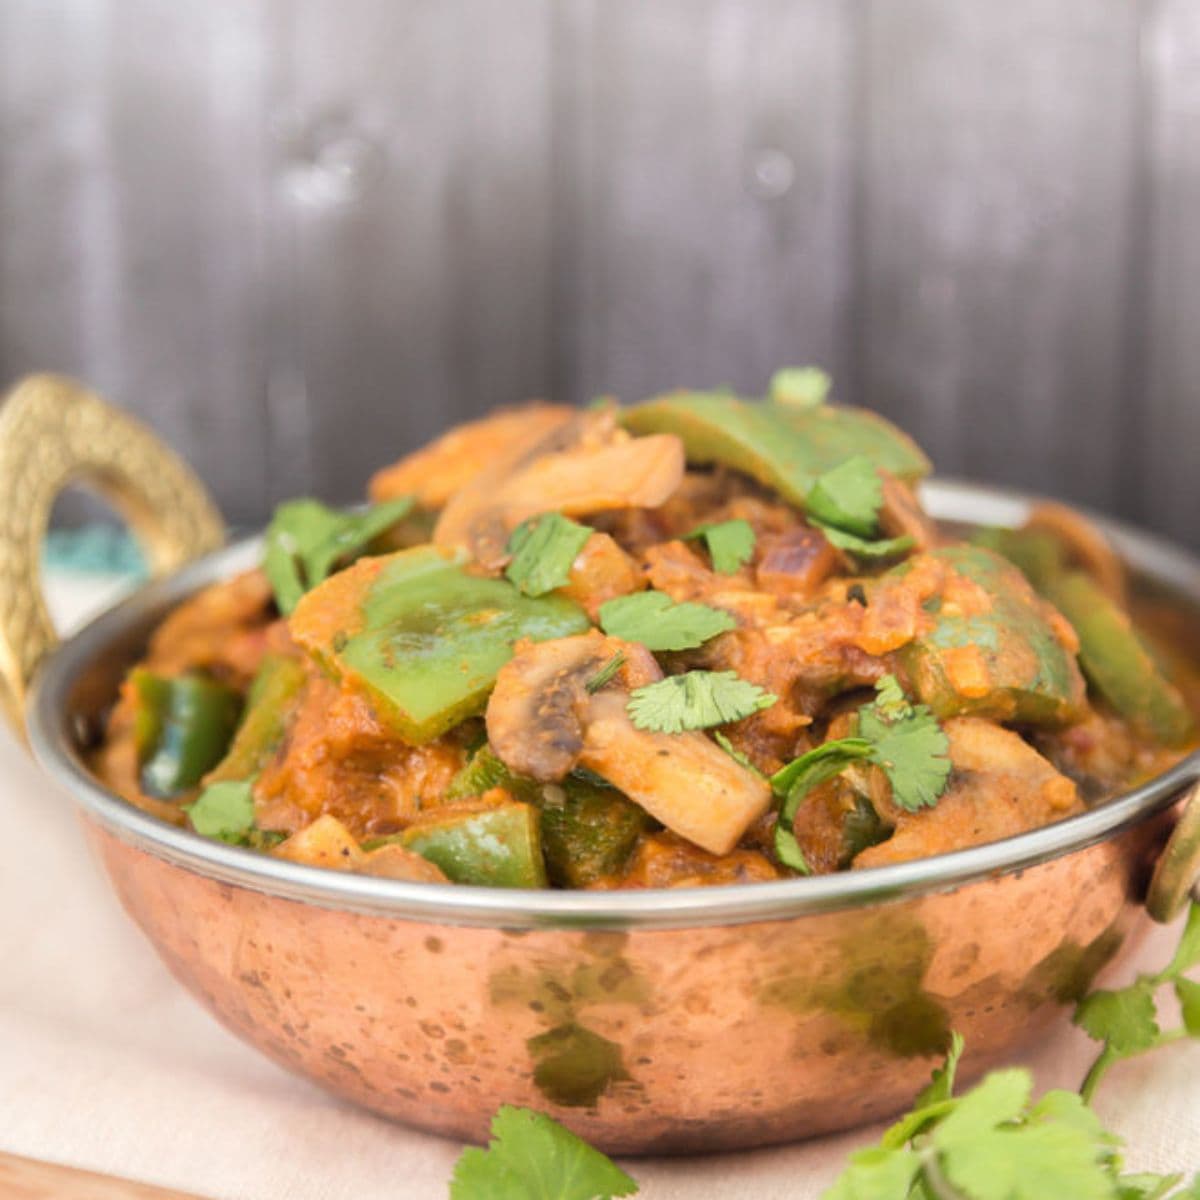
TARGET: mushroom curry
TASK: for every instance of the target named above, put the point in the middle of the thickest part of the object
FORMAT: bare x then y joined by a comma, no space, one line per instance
699,640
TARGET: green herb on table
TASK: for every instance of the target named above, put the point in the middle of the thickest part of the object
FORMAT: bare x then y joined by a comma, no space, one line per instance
1126,1019
532,1157
543,549
730,543
306,540
902,738
696,700
659,623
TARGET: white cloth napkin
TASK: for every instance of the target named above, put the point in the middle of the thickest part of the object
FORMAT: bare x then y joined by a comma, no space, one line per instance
105,1062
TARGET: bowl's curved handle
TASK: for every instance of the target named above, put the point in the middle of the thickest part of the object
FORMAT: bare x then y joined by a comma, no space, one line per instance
55,432
1177,873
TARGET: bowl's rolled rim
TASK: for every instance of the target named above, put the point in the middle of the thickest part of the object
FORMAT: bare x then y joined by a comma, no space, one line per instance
51,737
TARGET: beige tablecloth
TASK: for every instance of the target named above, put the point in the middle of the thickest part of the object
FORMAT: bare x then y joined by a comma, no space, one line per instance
105,1063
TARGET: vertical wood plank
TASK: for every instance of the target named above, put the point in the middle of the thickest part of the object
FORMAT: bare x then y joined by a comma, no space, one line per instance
130,160
702,174
411,248
1167,410
999,144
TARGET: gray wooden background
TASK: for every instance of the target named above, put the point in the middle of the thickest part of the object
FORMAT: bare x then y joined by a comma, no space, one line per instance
299,237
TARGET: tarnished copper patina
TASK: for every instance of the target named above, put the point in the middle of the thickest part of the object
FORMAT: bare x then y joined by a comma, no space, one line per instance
651,1021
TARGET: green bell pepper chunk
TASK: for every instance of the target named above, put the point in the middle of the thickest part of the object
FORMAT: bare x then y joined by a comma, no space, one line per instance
490,847
1118,663
421,637
588,829
1032,676
182,727
270,704
785,448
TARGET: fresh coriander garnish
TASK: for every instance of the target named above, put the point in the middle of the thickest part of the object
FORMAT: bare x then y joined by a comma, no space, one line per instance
543,549
799,387
606,673
696,700
532,1157
1126,1020
655,620
306,540
730,543
738,756
848,497
224,811
844,504
902,738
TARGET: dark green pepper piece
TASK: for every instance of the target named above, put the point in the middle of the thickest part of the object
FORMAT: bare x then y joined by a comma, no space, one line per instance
498,846
182,726
1036,552
782,447
269,707
1119,665
421,637
1032,676
588,829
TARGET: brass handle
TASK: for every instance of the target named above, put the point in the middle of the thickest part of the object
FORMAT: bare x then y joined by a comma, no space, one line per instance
55,432
1177,871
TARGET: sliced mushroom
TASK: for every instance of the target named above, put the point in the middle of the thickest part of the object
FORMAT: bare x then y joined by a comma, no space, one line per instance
602,471
1085,545
542,721
436,472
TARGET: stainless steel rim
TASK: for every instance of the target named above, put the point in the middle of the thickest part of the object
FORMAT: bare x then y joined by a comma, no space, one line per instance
55,748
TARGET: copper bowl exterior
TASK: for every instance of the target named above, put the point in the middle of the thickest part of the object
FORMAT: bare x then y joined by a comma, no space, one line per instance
654,1021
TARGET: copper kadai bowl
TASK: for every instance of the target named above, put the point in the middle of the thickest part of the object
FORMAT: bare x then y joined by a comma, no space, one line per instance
650,1021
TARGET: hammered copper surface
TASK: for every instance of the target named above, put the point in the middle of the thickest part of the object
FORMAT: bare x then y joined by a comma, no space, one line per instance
646,1041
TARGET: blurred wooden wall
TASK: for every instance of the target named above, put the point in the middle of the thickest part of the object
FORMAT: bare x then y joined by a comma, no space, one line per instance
299,238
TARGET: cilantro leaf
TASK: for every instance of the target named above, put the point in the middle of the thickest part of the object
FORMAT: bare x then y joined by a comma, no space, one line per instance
941,1085
799,387
606,673
224,811
543,549
1126,1019
730,543
1187,954
737,755
865,547
655,620
1187,992
876,1174
913,752
306,540
848,497
532,1157
696,700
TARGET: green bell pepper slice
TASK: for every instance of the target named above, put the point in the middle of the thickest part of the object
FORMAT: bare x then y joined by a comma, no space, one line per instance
785,448
272,700
588,829
421,637
182,727
499,846
1118,663
1032,676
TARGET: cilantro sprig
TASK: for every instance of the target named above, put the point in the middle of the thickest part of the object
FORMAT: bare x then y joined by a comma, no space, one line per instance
659,623
696,700
306,540
543,549
532,1157
844,503
1126,1020
904,739
730,543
